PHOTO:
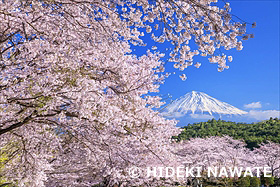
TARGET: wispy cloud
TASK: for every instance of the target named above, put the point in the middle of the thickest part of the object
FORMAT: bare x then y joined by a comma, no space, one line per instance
263,114
201,116
253,105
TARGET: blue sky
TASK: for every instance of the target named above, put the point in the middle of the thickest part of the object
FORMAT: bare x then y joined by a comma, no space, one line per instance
253,75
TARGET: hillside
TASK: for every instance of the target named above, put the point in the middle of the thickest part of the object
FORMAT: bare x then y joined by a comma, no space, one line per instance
253,134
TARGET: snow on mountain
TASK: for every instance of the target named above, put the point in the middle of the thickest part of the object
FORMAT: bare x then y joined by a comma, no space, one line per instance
199,102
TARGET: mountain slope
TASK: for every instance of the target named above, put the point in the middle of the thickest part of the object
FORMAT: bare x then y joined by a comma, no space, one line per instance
199,102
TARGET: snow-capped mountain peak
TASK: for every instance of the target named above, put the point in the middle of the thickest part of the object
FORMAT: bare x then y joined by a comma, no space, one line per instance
199,102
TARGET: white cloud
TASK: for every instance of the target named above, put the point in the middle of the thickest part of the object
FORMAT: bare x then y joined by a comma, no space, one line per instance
173,115
201,116
181,114
263,114
253,105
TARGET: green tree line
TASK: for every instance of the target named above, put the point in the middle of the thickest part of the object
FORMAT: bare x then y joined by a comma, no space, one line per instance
253,134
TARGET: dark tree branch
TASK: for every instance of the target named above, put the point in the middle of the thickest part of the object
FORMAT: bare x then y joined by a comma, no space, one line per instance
18,124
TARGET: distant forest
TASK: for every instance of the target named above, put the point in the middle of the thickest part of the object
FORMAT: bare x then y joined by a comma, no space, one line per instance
253,134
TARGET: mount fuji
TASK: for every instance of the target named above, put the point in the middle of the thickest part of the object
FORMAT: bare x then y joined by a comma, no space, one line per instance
199,103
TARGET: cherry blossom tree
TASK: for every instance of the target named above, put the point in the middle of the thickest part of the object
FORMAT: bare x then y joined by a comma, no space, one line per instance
75,107
269,154
215,152
218,152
